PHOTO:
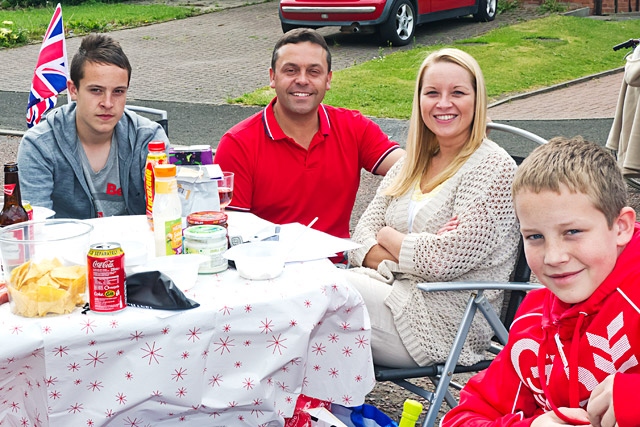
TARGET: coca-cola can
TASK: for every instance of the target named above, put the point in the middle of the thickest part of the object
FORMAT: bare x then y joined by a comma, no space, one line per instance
105,266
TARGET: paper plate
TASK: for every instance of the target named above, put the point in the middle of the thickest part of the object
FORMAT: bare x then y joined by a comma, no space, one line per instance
41,213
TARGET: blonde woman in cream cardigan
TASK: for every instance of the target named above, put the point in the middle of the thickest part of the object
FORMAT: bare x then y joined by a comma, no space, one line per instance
442,213
624,135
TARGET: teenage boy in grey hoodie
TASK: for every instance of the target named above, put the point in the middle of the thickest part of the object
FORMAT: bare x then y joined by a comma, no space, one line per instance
86,159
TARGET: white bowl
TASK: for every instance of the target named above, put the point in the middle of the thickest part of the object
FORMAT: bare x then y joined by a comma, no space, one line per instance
135,253
182,269
258,260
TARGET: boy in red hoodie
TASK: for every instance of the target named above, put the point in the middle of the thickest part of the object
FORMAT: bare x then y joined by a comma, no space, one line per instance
574,347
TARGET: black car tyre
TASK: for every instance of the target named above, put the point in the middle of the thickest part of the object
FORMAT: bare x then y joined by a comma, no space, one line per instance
400,27
486,10
288,27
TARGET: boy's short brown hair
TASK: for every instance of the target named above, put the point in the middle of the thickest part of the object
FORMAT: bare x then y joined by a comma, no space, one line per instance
582,166
98,49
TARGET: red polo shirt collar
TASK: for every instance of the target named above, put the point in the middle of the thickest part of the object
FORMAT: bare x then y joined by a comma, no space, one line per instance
273,130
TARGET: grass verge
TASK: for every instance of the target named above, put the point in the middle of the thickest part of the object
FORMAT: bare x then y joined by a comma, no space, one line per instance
29,25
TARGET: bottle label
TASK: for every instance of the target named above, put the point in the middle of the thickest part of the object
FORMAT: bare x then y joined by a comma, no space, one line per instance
9,189
166,187
149,179
149,189
173,236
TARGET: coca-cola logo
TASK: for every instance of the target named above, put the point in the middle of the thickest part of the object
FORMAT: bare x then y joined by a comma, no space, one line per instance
9,188
107,263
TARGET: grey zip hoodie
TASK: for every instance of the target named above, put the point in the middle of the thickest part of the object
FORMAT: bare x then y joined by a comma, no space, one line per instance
51,170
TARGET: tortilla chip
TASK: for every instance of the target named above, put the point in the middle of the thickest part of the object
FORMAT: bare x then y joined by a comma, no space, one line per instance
18,273
38,289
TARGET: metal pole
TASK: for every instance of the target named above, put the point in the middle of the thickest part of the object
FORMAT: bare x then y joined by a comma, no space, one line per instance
597,7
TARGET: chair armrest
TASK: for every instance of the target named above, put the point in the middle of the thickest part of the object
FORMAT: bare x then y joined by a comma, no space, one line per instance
138,108
473,286
478,300
517,131
162,121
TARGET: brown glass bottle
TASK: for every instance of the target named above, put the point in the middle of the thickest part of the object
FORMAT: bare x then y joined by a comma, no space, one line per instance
12,211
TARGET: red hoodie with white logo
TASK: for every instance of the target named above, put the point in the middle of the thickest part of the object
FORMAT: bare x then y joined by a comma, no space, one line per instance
558,353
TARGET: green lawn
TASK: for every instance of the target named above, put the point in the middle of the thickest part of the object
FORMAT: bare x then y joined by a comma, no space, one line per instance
21,26
514,59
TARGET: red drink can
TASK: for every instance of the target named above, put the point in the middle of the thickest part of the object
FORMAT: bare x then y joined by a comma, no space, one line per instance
27,207
105,269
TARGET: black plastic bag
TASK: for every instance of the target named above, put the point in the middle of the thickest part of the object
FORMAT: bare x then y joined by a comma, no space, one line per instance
153,289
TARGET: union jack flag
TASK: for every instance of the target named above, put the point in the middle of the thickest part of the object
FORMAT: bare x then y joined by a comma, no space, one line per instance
50,75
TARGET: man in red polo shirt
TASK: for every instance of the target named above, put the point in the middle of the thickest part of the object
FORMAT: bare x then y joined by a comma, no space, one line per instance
299,159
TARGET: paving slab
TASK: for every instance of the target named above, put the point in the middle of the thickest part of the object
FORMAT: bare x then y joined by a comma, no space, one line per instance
593,97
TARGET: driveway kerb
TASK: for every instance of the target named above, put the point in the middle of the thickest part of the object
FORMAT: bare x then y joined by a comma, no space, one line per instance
556,87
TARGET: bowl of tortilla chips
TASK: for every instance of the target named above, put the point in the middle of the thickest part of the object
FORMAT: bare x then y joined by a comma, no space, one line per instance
45,265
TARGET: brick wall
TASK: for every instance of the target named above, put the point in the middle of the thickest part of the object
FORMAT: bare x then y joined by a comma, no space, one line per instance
608,6
624,5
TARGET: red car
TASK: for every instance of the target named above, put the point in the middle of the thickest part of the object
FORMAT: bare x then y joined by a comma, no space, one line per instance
394,20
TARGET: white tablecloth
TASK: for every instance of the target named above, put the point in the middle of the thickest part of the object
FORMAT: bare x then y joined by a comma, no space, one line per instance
240,359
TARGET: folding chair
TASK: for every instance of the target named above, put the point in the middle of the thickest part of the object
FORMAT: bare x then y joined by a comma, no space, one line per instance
163,120
441,374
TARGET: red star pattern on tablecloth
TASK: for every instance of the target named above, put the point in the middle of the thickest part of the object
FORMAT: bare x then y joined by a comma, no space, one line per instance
241,358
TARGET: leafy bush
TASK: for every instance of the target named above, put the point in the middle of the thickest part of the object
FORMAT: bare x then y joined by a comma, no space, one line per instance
86,26
13,4
552,6
10,35
507,5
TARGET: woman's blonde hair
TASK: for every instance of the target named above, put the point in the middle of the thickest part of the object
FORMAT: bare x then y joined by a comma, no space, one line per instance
422,143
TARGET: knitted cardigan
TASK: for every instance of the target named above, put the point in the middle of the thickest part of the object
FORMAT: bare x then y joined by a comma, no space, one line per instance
483,247
624,135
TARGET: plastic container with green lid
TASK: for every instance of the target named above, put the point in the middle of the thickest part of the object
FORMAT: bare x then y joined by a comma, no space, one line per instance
208,240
